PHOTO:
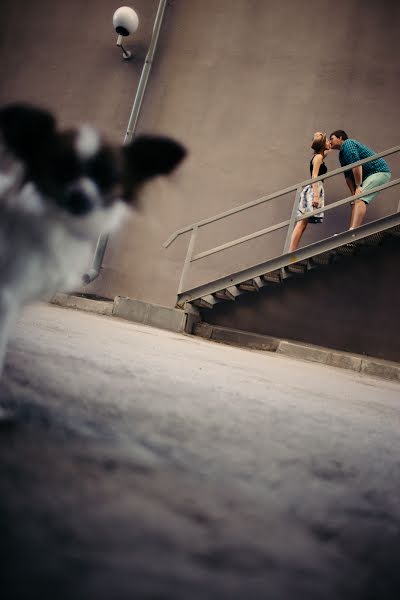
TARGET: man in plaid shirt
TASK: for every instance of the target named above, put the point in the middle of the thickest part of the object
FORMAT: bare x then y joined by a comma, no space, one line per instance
361,178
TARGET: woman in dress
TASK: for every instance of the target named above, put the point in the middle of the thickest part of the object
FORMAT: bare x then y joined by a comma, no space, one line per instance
312,195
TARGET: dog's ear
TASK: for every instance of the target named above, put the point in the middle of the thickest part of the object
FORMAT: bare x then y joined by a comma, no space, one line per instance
148,156
26,129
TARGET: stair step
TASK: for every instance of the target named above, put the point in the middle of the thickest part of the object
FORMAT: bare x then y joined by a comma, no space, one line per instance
276,276
300,267
347,250
260,282
395,231
205,302
273,276
372,240
249,286
225,294
325,258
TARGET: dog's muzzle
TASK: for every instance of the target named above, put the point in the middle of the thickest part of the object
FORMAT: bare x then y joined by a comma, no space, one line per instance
82,197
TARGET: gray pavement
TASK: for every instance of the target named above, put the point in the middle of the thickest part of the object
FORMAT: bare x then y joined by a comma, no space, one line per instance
149,464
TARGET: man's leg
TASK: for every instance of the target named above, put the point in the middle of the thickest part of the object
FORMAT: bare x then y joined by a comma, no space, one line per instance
360,206
358,212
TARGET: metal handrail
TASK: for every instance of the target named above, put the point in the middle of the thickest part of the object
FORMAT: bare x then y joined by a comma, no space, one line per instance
194,227
278,263
283,224
283,192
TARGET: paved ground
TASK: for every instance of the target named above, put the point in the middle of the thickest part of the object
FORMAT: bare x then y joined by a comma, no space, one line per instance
149,465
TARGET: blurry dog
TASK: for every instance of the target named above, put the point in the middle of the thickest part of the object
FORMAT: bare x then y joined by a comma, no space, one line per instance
59,190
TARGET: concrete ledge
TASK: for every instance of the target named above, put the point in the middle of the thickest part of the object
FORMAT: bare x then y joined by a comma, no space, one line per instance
344,361
378,368
179,321
162,317
102,307
322,355
334,358
236,337
203,330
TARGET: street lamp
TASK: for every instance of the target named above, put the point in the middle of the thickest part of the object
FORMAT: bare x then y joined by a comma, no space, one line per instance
125,21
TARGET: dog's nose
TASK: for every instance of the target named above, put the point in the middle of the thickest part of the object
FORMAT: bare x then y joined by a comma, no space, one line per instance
77,202
81,196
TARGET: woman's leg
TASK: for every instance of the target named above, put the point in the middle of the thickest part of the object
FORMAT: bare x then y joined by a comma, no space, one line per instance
298,231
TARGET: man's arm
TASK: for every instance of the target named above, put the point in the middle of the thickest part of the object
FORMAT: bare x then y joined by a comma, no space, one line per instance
357,173
351,155
350,182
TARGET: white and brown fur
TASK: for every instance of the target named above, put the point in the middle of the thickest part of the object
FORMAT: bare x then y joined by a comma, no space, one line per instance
60,190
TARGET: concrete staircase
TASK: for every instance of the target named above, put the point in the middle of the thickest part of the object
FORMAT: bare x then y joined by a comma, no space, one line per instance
288,264
293,264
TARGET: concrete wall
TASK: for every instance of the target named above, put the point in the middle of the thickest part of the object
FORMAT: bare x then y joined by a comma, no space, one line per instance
242,83
245,84
62,55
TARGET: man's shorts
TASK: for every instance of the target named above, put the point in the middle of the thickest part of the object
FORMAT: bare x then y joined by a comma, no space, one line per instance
373,181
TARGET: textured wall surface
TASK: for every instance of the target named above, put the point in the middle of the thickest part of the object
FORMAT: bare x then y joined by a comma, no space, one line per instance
63,56
244,85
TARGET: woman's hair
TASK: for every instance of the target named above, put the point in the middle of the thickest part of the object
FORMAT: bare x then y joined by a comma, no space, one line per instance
319,143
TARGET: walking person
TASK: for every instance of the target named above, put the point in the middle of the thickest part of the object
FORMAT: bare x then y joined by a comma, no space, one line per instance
312,195
362,178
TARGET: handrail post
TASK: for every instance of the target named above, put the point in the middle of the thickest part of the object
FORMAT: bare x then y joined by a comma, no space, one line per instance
292,220
188,258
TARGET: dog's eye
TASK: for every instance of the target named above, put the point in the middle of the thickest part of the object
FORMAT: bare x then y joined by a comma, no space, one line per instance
102,169
66,165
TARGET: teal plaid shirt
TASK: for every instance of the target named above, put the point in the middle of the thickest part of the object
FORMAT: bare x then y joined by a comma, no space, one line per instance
352,151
